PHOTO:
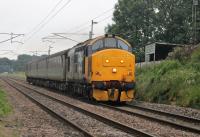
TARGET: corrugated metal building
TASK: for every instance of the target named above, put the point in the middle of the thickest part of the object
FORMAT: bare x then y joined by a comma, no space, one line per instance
158,51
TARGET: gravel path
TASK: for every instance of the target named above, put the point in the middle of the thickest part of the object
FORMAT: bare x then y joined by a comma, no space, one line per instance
32,121
134,121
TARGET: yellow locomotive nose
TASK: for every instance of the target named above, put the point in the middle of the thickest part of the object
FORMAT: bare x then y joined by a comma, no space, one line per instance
115,68
113,64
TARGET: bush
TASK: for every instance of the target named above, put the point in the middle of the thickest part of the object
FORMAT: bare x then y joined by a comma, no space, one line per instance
170,82
181,53
190,97
195,57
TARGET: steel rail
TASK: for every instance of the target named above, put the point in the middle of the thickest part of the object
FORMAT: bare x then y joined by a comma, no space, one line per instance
51,112
188,127
180,125
99,117
164,113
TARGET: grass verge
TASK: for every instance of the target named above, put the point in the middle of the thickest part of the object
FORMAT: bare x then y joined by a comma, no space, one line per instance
8,125
171,82
20,75
5,107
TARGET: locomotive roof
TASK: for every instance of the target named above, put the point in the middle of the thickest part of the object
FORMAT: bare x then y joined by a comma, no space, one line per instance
92,41
53,55
85,43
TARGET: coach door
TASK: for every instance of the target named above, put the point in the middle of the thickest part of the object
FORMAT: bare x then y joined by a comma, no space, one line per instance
67,63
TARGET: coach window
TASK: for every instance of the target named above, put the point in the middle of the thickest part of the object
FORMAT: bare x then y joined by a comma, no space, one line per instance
110,43
76,58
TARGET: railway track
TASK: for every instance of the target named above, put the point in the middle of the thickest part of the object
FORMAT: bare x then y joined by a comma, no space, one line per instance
112,123
175,120
164,113
51,112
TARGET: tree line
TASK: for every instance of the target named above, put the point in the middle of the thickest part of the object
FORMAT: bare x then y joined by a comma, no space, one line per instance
7,65
146,21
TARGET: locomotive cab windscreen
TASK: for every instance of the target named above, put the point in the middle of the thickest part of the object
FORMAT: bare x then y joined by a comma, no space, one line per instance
109,43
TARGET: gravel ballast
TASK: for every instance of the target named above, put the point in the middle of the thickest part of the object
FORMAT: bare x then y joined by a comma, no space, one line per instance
32,121
92,125
194,113
134,121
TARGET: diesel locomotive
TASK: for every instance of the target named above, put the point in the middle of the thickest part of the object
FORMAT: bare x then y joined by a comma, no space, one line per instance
101,69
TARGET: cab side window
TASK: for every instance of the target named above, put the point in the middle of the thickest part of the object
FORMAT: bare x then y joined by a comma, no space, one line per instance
97,46
122,45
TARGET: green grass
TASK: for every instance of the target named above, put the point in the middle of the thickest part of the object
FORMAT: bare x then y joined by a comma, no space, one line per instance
20,75
5,112
171,82
5,107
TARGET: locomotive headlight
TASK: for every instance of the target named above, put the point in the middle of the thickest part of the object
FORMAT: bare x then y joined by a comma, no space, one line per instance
122,61
107,61
114,70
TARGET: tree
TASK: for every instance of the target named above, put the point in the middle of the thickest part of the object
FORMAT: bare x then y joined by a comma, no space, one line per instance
7,65
133,21
174,19
146,21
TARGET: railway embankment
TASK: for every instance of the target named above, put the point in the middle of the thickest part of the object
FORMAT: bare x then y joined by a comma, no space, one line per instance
5,119
5,107
175,81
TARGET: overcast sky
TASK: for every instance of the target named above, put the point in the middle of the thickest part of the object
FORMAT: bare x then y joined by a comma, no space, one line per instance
22,16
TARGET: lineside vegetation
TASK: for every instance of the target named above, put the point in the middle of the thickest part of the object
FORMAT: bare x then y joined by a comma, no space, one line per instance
175,81
5,107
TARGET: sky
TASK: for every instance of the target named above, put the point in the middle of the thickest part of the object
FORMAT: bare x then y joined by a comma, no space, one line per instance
37,19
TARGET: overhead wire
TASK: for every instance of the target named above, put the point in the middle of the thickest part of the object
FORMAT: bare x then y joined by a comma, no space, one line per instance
85,23
44,19
65,37
75,33
43,25
9,39
97,24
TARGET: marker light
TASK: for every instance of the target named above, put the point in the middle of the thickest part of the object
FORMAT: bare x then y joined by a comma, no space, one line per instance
114,70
